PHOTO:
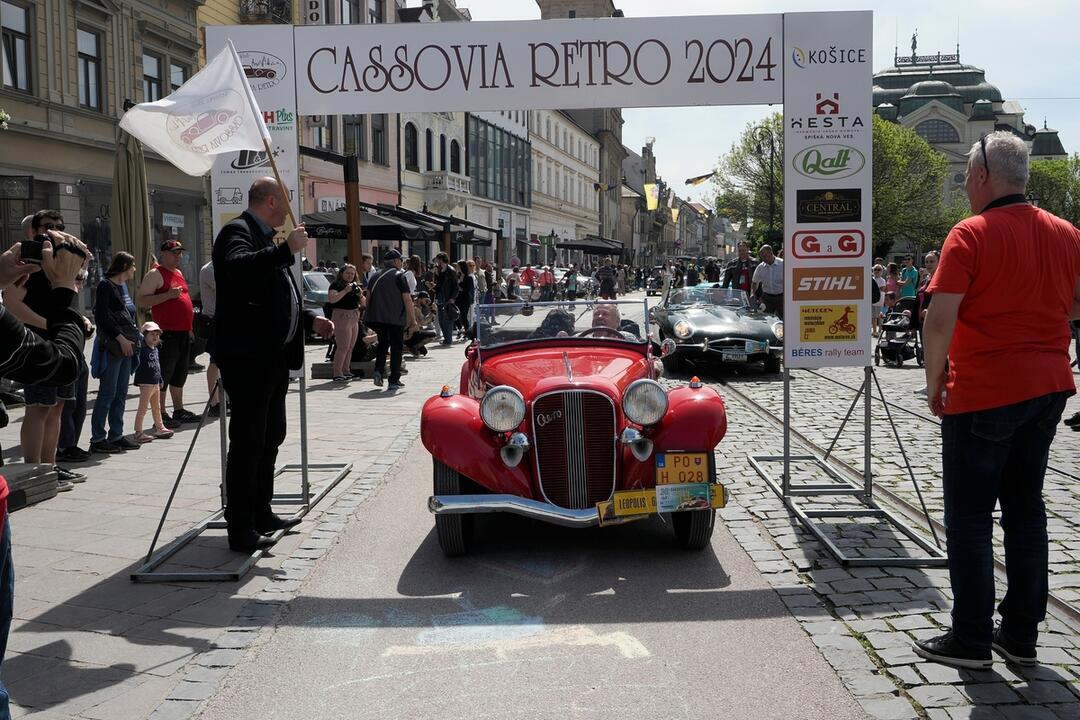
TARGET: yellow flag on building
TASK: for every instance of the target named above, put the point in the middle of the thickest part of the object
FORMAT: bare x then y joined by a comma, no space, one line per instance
652,196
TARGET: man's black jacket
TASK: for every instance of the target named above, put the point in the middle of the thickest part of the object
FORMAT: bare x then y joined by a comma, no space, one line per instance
254,293
55,359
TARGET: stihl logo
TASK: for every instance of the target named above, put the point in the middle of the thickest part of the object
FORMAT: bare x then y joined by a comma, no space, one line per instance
808,244
828,283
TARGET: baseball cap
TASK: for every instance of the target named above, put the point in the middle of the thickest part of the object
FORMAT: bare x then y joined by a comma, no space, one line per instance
171,246
150,326
391,255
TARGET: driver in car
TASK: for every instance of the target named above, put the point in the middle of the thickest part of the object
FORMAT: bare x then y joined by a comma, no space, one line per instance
607,316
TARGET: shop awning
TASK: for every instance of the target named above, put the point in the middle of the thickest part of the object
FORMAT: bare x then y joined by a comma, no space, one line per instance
334,225
592,244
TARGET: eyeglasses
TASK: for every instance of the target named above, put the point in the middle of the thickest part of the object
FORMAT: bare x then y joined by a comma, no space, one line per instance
982,144
51,226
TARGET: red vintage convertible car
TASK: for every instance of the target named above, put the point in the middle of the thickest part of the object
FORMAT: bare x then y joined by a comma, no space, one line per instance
559,417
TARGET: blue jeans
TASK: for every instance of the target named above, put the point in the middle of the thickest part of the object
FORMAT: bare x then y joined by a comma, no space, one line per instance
991,456
446,324
7,597
112,394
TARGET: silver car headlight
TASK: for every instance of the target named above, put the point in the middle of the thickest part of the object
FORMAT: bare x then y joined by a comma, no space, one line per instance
645,402
683,330
502,409
778,330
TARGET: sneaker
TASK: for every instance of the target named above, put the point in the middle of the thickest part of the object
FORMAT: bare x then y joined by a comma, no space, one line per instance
1014,652
1073,421
396,386
73,454
404,371
142,438
126,444
921,392
340,379
63,486
163,434
946,649
186,416
104,448
376,377
170,422
68,475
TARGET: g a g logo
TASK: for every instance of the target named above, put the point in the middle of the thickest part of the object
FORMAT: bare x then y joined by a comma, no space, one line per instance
828,162
807,244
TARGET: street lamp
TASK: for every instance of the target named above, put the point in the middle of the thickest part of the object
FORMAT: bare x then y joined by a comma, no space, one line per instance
763,132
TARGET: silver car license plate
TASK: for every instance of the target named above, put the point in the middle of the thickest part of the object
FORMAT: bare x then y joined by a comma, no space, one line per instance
732,356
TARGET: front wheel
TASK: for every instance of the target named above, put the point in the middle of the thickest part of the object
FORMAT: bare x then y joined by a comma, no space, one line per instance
694,528
454,531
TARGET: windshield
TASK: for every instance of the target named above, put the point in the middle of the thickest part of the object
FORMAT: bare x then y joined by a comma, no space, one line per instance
708,295
317,281
505,323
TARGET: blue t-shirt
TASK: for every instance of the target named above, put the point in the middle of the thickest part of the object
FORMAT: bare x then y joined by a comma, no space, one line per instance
912,275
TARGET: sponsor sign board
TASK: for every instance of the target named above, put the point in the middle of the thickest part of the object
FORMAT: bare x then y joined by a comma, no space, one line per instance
828,70
266,58
579,63
828,206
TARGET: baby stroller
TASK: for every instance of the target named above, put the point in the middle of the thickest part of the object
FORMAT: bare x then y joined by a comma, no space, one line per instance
899,338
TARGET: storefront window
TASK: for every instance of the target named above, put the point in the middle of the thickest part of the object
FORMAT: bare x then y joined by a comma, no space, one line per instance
176,217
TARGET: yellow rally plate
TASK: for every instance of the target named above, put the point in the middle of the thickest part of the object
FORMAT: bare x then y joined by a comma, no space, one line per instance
680,468
633,504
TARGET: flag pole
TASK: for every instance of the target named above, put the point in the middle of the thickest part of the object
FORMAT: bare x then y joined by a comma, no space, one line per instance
266,140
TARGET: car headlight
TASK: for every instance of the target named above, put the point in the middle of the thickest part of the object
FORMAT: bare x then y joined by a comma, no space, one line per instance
683,330
502,409
778,330
645,402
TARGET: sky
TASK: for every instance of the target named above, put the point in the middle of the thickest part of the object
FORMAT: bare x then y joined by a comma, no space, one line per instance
1028,51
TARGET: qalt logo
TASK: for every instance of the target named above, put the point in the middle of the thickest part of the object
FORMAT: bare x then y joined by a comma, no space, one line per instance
827,105
262,69
547,419
216,119
824,162
832,55
818,244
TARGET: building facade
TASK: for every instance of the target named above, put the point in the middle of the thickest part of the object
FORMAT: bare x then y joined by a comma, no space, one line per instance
500,170
68,69
565,170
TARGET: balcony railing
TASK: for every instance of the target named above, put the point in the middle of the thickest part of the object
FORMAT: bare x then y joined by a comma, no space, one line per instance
443,181
265,11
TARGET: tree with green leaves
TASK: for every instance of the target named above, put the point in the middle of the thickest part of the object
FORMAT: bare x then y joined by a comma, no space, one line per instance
908,186
1056,184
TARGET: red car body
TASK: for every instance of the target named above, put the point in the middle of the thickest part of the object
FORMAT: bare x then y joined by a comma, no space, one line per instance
575,427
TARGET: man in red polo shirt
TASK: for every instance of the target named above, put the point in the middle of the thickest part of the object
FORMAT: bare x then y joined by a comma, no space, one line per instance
1006,285
164,290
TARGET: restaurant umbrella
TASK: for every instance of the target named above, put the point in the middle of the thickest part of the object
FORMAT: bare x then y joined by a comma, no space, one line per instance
132,230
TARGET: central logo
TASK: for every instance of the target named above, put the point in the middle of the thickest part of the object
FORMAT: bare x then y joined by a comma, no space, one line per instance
547,419
822,162
815,206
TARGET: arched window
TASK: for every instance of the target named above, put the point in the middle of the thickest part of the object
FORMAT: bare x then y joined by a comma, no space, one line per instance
937,131
412,159
429,149
442,153
455,157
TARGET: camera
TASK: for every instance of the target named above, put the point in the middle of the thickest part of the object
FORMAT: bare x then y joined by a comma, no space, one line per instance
30,250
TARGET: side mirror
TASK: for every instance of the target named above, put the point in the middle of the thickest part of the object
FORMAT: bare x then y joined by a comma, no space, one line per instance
667,347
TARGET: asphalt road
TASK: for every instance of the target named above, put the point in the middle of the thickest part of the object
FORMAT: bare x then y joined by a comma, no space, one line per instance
540,622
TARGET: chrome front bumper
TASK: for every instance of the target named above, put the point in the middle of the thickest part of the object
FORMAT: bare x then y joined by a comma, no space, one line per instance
467,504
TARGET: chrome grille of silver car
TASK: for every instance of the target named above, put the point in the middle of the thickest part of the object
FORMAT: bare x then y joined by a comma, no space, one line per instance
575,437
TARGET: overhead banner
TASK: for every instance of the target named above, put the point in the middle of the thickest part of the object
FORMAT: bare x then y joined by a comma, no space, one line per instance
538,64
266,56
828,151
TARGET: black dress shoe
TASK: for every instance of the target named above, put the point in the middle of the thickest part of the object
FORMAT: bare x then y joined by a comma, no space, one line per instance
273,523
1073,421
248,542
948,650
1013,651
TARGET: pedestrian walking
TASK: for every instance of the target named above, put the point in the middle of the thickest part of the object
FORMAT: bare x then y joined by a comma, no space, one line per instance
259,328
346,298
148,380
1000,398
390,314
446,291
605,275
466,296
115,353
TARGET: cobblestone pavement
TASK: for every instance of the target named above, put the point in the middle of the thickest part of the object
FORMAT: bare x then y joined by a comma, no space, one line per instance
864,619
88,643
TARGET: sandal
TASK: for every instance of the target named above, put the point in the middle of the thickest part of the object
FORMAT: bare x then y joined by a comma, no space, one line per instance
142,438
163,433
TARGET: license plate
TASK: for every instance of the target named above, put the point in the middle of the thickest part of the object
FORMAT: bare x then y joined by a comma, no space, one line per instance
732,356
630,505
673,498
756,346
677,468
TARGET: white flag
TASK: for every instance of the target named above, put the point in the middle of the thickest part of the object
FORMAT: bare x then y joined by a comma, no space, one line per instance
212,113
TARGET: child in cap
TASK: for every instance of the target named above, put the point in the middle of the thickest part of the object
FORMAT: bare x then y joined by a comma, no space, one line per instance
148,378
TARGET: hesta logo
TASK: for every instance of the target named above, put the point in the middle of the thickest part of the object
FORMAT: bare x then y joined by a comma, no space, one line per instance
829,161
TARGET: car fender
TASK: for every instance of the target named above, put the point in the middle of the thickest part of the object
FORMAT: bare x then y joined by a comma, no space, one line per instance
453,432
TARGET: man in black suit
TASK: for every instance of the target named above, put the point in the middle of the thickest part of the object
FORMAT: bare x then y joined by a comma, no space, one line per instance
259,328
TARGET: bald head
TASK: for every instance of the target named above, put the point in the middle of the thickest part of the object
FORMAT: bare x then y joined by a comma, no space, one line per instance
267,201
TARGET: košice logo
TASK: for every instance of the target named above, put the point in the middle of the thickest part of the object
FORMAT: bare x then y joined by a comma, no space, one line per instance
829,161
798,57
831,55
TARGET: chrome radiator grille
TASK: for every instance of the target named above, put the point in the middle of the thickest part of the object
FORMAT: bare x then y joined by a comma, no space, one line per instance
575,437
